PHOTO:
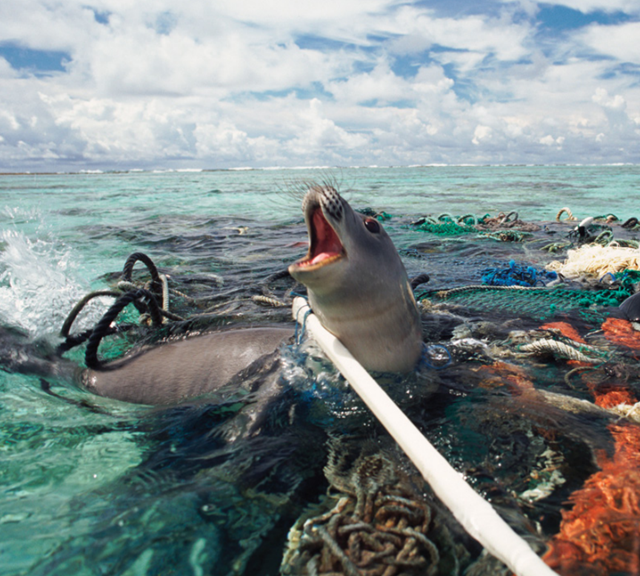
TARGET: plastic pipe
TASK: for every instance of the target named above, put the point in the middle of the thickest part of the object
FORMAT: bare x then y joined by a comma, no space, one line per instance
474,513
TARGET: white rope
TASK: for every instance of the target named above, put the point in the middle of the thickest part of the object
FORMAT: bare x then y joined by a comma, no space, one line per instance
561,349
165,292
475,514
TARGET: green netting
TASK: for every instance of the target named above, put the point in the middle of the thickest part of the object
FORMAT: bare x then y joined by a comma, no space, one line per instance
537,303
446,225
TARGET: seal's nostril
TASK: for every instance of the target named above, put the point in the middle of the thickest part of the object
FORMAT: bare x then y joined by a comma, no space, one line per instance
332,202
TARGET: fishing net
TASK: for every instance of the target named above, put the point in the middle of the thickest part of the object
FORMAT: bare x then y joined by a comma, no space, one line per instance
535,303
517,275
503,227
445,225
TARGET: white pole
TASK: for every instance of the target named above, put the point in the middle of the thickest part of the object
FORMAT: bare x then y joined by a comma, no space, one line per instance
475,514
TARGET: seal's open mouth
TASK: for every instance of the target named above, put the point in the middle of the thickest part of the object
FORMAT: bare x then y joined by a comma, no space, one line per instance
324,245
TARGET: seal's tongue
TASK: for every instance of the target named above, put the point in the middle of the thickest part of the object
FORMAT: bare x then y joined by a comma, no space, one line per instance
325,243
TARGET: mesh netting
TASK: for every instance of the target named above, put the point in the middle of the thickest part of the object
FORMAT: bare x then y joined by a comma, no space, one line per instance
444,226
536,303
517,275
503,227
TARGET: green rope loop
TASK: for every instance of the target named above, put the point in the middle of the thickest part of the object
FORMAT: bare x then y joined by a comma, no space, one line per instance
604,238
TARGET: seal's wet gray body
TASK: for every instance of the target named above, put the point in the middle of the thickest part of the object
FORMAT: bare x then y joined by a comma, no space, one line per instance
176,371
357,286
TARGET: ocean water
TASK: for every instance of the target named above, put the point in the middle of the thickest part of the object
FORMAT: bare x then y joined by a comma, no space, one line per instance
94,486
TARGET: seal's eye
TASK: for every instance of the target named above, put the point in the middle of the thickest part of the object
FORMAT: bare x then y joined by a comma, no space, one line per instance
372,225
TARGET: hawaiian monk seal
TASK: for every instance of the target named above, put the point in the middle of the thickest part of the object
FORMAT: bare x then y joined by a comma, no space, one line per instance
357,284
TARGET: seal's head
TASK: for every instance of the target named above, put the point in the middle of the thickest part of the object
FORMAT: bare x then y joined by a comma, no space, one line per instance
357,284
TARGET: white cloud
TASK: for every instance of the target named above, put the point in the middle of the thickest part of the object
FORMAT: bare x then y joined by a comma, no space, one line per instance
481,133
618,41
6,71
476,34
176,64
602,97
380,84
549,140
288,82
432,80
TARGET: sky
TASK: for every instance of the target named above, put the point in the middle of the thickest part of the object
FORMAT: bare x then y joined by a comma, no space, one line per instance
168,84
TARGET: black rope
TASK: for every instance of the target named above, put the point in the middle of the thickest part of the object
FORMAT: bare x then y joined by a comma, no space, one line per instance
66,327
73,341
420,279
630,223
103,327
277,276
77,339
156,283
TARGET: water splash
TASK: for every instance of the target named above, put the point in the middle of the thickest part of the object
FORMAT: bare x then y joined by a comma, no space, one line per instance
39,284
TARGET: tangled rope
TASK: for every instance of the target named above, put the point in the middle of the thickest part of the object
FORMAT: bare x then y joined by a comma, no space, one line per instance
141,297
631,223
507,221
570,217
380,215
378,527
564,350
597,260
537,301
151,299
508,235
608,218
504,227
145,299
446,294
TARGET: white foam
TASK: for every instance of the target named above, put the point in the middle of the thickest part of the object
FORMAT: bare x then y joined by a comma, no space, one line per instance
39,285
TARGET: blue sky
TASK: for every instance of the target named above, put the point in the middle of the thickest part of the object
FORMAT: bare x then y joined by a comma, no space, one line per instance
110,84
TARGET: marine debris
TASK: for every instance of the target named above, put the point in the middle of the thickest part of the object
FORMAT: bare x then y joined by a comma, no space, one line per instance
375,523
597,260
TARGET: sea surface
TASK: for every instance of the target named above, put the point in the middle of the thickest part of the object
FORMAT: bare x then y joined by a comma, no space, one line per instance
93,486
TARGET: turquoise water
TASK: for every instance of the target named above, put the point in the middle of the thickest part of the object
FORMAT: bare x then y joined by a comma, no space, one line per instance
92,486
